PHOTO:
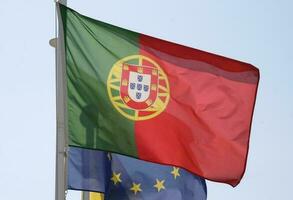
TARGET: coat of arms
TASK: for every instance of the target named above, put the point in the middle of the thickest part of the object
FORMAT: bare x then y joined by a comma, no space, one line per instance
138,91
139,86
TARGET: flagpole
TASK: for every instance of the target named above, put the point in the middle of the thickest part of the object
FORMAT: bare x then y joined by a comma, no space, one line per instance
61,126
85,195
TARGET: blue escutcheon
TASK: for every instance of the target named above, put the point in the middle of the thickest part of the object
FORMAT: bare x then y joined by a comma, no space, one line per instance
145,88
138,95
139,86
132,86
139,78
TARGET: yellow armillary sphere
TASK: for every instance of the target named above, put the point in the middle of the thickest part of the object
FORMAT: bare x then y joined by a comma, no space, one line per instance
138,87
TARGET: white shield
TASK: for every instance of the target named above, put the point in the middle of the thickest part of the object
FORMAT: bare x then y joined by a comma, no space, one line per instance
139,86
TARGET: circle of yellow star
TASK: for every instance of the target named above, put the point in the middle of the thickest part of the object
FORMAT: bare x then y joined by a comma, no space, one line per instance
175,172
136,188
159,185
116,178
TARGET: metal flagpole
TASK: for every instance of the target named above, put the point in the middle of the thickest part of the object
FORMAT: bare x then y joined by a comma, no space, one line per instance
61,129
85,196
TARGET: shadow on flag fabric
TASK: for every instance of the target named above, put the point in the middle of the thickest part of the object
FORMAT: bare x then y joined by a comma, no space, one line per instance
157,101
123,178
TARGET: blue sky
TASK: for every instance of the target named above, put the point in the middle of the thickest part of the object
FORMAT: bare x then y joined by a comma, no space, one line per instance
258,32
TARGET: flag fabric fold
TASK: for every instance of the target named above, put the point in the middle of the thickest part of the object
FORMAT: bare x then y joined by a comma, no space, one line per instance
157,101
123,178
88,170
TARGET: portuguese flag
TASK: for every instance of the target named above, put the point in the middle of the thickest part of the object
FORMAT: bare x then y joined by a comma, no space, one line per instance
155,100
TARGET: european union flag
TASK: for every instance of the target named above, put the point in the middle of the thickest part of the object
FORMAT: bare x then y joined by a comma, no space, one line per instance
122,178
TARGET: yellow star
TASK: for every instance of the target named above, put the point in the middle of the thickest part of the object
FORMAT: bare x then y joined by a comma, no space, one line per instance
135,188
116,178
175,172
159,185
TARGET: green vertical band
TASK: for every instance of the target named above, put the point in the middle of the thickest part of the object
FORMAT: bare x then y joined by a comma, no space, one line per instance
92,47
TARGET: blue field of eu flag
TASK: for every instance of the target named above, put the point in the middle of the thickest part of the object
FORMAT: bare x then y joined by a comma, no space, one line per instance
124,178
